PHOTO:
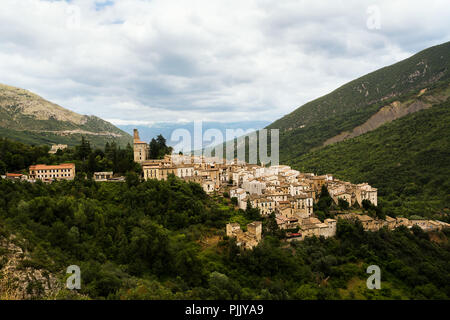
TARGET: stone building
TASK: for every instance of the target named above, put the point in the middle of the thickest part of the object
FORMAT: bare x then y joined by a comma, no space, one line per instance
65,171
248,239
15,176
103,176
365,192
314,227
254,186
265,205
141,149
57,147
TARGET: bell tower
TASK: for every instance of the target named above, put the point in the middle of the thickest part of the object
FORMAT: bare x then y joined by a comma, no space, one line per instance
140,148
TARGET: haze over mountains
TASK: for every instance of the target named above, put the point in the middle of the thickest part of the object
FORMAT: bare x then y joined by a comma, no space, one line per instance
29,118
167,128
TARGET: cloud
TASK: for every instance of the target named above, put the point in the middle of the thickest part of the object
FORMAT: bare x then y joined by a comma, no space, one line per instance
164,60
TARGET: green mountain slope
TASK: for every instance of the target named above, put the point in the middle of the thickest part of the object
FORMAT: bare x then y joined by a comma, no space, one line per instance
407,159
165,240
351,105
29,118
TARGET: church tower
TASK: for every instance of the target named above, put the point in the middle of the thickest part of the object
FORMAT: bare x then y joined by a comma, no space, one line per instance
141,148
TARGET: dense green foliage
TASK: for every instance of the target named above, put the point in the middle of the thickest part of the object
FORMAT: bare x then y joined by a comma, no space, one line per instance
16,156
49,138
159,148
145,240
407,160
165,239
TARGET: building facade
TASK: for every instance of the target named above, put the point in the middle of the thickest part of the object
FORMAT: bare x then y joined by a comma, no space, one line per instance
65,171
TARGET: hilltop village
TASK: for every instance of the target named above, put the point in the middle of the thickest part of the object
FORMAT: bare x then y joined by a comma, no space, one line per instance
288,194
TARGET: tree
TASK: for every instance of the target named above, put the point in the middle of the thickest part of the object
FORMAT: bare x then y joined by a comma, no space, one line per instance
366,204
158,148
306,292
84,149
343,204
132,179
2,167
252,213
17,162
222,288
325,200
92,164
270,227
154,149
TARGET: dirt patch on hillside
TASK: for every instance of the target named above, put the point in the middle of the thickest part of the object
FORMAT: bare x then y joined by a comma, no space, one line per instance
210,241
389,113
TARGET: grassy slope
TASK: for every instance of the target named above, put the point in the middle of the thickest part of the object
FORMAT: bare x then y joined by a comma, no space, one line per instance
353,103
26,128
46,138
406,159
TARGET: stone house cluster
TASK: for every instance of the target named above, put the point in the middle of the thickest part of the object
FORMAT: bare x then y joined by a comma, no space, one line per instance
287,193
290,195
352,193
209,172
371,224
248,239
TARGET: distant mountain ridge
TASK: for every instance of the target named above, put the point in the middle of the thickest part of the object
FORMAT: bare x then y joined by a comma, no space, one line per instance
27,117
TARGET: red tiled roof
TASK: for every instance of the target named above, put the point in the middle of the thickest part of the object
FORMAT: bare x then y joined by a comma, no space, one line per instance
12,175
293,235
52,167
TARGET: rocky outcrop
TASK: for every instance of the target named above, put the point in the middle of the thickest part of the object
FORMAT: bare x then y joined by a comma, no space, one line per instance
18,279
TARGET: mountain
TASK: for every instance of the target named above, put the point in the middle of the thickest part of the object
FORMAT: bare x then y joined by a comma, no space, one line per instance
388,128
26,117
365,103
406,159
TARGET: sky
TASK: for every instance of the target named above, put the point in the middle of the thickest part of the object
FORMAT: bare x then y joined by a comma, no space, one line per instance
142,62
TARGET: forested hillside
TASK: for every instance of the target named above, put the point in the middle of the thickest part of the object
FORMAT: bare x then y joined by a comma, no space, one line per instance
407,160
17,157
165,240
351,105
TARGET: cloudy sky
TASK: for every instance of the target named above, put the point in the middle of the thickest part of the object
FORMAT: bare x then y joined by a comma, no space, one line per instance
139,62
